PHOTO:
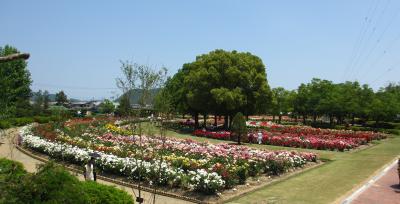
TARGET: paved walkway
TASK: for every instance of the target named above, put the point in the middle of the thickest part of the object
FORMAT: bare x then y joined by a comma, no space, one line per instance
382,189
9,151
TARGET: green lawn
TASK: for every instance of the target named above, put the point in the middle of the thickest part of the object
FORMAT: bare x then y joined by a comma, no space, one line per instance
325,184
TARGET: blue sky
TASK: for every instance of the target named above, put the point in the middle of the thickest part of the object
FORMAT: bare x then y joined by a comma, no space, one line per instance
77,45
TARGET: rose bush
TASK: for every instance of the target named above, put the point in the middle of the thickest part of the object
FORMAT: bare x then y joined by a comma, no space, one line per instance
203,167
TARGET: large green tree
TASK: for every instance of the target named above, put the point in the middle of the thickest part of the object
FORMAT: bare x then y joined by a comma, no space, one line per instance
223,83
106,106
38,104
14,85
280,102
61,98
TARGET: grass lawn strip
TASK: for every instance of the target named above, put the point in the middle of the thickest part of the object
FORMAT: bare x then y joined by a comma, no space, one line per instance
343,172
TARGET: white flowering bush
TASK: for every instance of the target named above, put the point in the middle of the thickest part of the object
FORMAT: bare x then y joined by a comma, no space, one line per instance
203,167
155,171
208,182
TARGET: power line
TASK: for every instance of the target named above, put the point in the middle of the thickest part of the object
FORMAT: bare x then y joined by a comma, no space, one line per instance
370,36
391,68
360,37
388,48
377,42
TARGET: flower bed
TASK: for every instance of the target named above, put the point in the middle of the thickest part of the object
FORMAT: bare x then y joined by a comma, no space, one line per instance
299,136
221,135
185,164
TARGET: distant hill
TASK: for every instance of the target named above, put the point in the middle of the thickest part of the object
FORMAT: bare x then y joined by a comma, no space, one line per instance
135,95
52,97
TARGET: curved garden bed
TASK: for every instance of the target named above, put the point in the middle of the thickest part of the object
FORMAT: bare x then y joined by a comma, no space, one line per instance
182,164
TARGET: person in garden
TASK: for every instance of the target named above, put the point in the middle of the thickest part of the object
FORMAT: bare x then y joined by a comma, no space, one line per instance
260,136
89,172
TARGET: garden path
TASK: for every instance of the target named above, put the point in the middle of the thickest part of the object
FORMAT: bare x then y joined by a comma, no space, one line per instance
384,188
8,150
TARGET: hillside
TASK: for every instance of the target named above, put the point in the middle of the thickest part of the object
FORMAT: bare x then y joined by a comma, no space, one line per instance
52,97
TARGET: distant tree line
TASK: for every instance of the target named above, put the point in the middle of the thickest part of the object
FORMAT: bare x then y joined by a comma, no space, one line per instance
339,102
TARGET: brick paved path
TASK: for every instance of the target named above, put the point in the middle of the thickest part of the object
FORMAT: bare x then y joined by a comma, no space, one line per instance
383,190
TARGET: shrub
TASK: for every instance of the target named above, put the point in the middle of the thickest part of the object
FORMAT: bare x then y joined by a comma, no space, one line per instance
52,184
41,119
102,194
22,121
239,127
5,124
10,170
11,174
392,131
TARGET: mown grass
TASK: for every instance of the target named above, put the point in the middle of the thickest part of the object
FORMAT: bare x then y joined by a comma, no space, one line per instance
342,172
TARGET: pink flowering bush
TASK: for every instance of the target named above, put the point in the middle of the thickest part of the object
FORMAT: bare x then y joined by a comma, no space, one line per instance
203,167
300,136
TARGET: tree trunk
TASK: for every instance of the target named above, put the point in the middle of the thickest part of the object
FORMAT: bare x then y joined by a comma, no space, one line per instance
226,122
279,118
196,120
183,116
238,139
247,117
205,120
353,120
314,118
330,119
273,118
304,119
230,121
215,121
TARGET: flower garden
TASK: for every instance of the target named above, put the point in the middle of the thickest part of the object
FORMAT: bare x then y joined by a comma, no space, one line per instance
182,164
299,136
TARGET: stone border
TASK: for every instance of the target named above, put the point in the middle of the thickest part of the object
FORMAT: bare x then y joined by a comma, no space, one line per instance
243,192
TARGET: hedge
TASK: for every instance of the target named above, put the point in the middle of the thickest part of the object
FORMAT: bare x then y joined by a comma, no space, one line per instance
52,184
11,122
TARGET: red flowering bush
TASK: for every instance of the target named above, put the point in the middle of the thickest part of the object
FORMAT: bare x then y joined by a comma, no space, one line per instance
221,135
302,137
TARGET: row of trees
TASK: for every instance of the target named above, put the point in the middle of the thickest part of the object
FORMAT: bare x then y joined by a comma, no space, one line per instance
338,102
221,83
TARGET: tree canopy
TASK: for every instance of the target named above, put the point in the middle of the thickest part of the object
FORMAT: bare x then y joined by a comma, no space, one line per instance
15,80
61,98
221,83
340,101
